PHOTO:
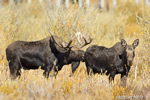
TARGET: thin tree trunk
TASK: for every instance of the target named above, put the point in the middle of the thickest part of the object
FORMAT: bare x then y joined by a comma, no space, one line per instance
58,3
87,3
74,1
101,4
11,2
40,0
49,2
114,4
80,3
107,5
137,1
1,3
29,1
67,3
147,2
17,2
62,2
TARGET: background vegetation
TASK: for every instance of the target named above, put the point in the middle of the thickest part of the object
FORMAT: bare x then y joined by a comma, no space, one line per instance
30,22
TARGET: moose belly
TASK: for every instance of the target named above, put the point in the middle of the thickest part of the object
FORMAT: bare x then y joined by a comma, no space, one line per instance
99,69
30,63
101,65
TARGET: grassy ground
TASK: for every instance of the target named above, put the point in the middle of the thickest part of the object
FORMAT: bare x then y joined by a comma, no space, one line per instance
35,21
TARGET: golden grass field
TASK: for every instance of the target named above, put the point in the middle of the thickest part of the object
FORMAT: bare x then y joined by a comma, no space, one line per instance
35,21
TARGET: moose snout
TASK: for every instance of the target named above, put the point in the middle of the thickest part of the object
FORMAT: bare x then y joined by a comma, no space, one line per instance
82,58
129,63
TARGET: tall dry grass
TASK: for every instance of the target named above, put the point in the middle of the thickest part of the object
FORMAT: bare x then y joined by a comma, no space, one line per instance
35,21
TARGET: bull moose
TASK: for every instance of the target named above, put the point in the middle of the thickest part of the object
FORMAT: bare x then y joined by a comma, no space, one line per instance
114,60
29,55
71,56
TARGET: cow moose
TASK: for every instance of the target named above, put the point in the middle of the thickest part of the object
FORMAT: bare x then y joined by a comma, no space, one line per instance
114,60
31,55
71,56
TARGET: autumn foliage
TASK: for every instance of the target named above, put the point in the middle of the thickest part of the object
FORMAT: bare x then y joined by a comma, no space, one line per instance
30,22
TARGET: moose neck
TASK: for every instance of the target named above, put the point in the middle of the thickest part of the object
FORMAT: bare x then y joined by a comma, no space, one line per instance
127,67
56,49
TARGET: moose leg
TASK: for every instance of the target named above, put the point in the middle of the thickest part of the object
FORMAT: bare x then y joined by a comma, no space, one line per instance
14,69
123,79
45,72
19,72
55,70
55,73
124,76
74,67
47,69
50,64
89,70
112,76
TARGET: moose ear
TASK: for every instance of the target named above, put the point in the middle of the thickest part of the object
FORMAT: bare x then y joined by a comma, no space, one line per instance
123,43
135,43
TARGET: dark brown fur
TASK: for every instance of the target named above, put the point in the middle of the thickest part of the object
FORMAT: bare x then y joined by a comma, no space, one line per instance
46,53
30,55
114,60
71,56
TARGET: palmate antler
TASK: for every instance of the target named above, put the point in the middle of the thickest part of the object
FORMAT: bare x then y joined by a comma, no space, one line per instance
80,37
85,42
55,39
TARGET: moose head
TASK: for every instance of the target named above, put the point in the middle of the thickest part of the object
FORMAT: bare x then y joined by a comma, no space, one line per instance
67,54
130,51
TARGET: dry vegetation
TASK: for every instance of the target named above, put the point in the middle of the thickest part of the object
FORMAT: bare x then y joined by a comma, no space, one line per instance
33,22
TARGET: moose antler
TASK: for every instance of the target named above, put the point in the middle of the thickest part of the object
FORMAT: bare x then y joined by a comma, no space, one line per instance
60,44
51,33
68,46
85,42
